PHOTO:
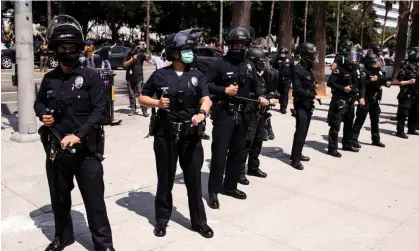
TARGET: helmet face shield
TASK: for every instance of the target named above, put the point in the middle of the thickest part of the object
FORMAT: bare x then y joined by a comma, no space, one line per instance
65,22
353,57
185,39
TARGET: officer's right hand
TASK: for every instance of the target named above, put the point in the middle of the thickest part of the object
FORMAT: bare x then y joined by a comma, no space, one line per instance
232,90
374,78
347,89
134,57
164,103
48,120
412,81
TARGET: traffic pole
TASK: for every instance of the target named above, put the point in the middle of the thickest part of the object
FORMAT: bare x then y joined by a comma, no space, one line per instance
24,59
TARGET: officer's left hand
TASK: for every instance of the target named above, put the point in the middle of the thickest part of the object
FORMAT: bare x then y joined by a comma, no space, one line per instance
362,101
273,101
197,118
263,100
69,140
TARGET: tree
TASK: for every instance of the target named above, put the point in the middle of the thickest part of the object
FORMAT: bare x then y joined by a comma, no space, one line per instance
414,36
284,35
404,13
389,6
241,13
366,8
319,36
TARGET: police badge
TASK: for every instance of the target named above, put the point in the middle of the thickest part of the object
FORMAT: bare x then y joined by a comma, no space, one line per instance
78,83
249,67
194,81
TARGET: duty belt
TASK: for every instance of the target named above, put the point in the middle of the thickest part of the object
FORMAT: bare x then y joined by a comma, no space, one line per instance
185,128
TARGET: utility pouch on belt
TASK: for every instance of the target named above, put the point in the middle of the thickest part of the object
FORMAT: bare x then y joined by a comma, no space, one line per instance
379,95
153,120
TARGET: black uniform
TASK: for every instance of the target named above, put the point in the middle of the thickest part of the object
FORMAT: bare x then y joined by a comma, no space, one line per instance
304,94
174,138
256,132
404,97
413,120
230,120
372,97
78,101
284,67
271,78
342,107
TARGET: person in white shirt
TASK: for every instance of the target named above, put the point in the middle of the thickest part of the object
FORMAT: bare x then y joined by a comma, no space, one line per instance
159,62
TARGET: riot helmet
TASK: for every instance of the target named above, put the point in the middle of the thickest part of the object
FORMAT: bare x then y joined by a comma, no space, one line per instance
308,54
182,42
239,40
413,58
352,57
65,37
372,61
64,29
346,46
258,58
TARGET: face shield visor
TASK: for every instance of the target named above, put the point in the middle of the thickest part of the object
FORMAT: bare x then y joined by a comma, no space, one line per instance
353,57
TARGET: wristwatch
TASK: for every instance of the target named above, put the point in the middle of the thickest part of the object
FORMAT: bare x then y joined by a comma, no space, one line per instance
203,112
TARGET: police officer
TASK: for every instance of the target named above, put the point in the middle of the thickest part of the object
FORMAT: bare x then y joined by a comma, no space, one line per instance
256,129
271,78
413,119
230,80
406,78
283,65
340,57
183,99
304,94
345,82
373,80
75,96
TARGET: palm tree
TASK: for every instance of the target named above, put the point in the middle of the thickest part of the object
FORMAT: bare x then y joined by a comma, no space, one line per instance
414,36
389,6
319,36
241,13
366,8
285,25
404,13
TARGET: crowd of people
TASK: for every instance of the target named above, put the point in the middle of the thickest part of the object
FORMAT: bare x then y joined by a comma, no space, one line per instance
236,93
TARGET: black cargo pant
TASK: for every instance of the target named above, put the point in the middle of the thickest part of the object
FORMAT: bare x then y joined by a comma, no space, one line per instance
340,110
283,88
373,108
227,148
253,147
190,153
88,171
302,119
413,120
402,112
134,89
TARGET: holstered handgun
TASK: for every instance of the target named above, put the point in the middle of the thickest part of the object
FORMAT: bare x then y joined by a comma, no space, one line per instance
152,125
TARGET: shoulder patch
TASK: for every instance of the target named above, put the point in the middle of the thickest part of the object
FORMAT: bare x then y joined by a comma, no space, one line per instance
336,71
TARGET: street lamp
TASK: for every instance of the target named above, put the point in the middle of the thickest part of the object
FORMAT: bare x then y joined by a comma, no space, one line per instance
337,28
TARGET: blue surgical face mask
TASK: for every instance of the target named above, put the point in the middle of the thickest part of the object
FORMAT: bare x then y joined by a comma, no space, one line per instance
187,56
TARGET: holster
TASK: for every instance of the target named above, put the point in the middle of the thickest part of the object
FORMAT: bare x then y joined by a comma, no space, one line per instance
153,121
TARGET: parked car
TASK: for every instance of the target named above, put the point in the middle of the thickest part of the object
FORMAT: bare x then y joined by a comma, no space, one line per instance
8,57
329,59
116,58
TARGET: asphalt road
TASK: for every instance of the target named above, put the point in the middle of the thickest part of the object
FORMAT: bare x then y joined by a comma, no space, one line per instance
9,92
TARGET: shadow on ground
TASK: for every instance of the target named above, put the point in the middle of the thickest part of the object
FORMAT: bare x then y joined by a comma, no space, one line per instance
45,222
276,153
142,203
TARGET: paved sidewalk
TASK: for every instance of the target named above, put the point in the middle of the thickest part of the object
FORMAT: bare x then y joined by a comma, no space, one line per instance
363,201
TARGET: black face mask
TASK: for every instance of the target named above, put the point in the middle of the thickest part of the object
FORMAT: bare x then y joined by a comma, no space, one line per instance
69,59
238,54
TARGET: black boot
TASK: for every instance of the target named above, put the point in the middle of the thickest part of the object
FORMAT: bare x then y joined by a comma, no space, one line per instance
297,165
204,231
257,173
334,153
160,230
213,201
243,180
350,148
401,134
356,144
57,245
412,132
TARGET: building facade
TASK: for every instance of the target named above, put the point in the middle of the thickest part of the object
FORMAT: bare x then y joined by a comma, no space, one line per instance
392,17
